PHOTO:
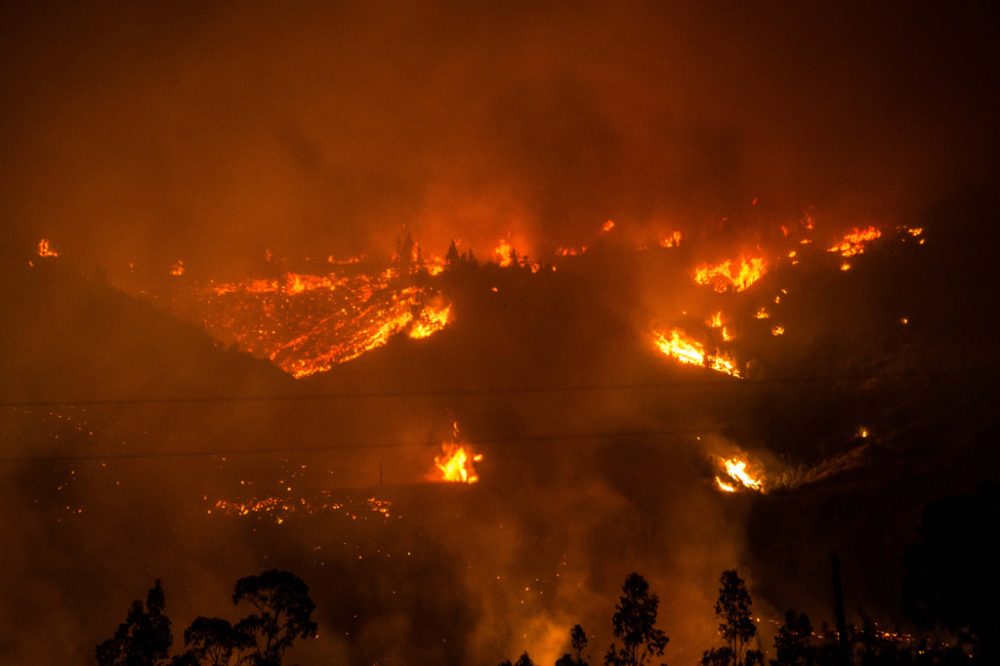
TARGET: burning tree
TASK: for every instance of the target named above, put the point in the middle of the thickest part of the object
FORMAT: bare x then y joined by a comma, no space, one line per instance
736,628
634,623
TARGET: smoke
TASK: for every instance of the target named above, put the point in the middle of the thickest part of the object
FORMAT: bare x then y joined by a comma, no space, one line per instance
156,132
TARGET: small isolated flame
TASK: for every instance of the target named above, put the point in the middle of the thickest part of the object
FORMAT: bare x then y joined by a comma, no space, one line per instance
761,314
45,249
778,330
689,351
734,275
571,251
177,269
607,226
855,242
455,464
736,469
673,240
504,253
716,322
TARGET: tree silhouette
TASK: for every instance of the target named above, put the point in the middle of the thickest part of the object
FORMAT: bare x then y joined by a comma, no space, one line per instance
791,643
578,643
284,613
634,623
144,638
523,660
736,627
214,641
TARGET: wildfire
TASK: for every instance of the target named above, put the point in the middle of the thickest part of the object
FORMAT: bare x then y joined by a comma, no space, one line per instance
571,251
734,275
691,352
45,249
177,269
736,469
855,242
607,226
778,330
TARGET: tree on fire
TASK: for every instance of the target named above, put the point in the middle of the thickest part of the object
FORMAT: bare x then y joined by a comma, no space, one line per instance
578,643
144,638
736,627
634,623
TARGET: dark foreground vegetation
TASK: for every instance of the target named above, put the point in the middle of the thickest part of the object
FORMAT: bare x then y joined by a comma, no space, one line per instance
948,593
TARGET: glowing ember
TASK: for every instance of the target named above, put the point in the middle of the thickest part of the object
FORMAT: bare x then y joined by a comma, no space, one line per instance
306,324
607,226
761,314
691,352
778,330
571,251
844,266
45,249
855,242
739,475
177,269
731,275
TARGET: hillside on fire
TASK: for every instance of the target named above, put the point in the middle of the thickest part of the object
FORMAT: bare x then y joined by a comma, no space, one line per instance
531,333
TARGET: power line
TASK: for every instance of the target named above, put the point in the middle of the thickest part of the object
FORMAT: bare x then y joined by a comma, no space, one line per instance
719,382
527,439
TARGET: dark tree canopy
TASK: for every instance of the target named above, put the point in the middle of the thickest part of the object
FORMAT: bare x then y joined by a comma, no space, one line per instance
736,625
950,576
791,643
634,623
578,643
144,638
284,613
215,641
523,660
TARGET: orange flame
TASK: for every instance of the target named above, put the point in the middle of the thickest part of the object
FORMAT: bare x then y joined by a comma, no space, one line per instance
431,319
739,475
455,464
45,249
732,275
691,352
673,240
504,253
607,226
177,269
855,242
